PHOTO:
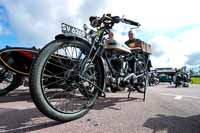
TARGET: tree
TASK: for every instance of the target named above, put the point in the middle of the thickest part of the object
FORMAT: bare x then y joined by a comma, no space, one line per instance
191,72
199,70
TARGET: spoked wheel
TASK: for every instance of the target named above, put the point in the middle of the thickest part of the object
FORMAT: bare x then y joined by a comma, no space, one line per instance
153,81
177,81
141,72
63,81
8,81
156,81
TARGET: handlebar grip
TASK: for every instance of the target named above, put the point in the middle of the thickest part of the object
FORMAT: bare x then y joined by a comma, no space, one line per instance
92,18
131,22
94,21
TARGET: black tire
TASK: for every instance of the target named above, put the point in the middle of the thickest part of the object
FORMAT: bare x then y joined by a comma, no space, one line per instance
177,82
37,83
176,85
141,68
157,81
8,81
154,81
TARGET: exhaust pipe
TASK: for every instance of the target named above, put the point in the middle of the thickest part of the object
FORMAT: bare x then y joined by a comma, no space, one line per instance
132,75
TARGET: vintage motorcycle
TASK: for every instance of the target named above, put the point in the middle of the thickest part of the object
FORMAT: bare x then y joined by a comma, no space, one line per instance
153,79
70,72
181,79
15,63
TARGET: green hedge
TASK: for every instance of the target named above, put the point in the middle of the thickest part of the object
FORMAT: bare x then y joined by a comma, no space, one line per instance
195,80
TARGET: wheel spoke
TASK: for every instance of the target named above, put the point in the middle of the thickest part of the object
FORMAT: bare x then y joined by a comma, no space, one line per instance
6,79
47,76
63,85
52,83
56,65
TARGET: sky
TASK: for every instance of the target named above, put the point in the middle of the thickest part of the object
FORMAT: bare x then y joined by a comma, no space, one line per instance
172,27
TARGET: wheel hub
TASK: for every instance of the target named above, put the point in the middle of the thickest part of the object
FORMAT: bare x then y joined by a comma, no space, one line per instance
71,75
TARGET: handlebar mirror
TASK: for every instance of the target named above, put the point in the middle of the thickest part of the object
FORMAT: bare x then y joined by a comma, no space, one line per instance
85,27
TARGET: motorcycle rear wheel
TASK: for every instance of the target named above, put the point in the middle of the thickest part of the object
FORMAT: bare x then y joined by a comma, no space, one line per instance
140,68
8,81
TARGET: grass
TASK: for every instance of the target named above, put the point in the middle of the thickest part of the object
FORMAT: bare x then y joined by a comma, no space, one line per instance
195,80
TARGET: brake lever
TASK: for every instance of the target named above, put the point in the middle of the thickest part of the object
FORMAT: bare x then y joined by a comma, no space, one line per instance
136,27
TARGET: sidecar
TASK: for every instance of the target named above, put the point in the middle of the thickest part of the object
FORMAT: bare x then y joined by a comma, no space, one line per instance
15,63
18,59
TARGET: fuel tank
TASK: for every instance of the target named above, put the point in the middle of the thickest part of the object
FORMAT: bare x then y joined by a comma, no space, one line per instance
116,47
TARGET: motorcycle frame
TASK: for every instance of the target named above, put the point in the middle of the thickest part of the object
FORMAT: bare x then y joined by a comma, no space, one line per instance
100,51
96,51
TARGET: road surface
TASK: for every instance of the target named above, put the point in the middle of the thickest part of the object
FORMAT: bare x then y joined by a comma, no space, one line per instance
166,110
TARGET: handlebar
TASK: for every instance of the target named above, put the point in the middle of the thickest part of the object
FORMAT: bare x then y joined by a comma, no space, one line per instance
108,19
127,21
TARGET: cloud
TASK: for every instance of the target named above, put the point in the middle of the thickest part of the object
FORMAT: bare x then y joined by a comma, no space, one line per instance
167,52
170,28
4,30
194,59
37,22
4,27
157,50
189,40
166,25
178,48
90,8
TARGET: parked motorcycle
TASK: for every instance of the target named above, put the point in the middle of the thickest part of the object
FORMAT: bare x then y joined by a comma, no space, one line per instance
153,79
15,63
181,79
70,72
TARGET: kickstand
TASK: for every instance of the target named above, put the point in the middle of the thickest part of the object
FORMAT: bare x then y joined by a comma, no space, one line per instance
129,93
144,96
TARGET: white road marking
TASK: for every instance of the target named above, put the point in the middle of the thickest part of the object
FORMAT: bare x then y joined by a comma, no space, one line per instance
178,97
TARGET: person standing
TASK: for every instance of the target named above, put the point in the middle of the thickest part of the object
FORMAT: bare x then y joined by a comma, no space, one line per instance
131,43
132,40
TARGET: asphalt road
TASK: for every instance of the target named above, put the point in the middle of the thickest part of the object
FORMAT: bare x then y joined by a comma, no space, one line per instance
166,110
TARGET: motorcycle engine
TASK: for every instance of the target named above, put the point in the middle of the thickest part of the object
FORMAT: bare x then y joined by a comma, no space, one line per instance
117,64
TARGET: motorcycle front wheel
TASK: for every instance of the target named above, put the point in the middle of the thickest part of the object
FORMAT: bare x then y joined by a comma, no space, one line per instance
64,80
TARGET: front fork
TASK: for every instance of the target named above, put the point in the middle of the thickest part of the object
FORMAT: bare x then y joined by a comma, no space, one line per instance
87,62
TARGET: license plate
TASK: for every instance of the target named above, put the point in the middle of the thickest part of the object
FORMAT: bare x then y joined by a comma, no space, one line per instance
72,30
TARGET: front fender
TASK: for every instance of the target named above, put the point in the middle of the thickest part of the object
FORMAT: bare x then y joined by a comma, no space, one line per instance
71,36
74,37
